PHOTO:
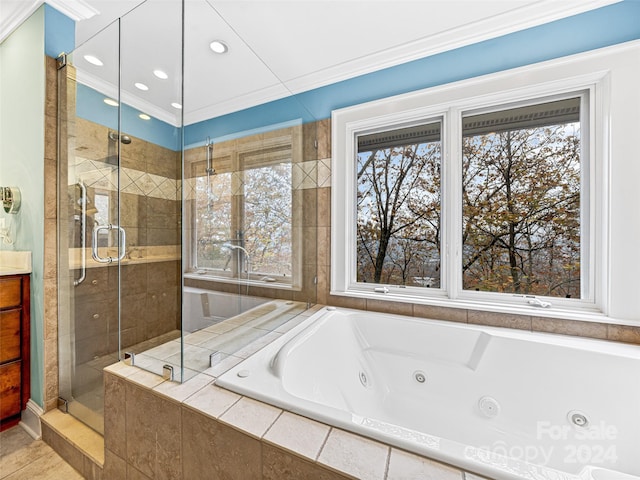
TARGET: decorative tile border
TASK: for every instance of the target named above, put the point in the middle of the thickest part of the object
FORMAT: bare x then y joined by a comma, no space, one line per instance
103,176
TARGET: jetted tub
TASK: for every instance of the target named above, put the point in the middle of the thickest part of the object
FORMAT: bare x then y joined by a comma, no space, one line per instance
501,403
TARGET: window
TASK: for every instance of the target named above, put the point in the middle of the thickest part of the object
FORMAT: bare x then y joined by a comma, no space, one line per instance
489,193
398,205
243,213
521,210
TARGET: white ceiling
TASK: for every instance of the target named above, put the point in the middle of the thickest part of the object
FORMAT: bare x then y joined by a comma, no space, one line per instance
276,47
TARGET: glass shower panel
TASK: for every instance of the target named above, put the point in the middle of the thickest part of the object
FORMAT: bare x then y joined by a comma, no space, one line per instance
250,189
150,183
90,240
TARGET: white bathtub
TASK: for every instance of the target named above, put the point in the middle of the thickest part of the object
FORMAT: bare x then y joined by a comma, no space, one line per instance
493,401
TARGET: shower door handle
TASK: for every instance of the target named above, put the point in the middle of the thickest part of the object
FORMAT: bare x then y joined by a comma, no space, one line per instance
121,246
83,234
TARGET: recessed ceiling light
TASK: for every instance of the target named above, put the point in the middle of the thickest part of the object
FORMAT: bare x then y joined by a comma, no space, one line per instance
144,116
176,105
218,47
111,102
141,86
160,74
93,60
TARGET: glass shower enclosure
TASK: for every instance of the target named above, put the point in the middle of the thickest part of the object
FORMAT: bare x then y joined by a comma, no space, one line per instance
119,177
182,235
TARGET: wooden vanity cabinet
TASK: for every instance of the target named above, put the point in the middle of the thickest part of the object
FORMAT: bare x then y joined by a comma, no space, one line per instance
14,348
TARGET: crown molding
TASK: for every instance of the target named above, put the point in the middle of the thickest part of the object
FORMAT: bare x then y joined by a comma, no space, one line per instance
20,11
543,11
74,9
11,20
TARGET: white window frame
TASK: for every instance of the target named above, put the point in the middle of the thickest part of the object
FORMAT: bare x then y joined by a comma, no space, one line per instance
600,73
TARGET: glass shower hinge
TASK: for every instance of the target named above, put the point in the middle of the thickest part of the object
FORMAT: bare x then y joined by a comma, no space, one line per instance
167,372
215,358
129,358
63,405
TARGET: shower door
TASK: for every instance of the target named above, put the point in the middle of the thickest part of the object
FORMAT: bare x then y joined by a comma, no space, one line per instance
119,204
91,241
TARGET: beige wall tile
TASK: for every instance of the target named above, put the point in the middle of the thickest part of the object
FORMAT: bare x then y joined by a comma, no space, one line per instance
440,313
324,246
309,243
346,302
251,416
153,442
51,373
384,306
115,432
214,451
494,319
323,134
623,333
91,470
354,455
135,474
51,85
569,327
406,466
50,188
280,465
322,286
298,434
50,249
324,207
114,466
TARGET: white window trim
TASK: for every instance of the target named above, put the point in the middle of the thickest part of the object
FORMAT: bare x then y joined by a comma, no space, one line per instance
601,72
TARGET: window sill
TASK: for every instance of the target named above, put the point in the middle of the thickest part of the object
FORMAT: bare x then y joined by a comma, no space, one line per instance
584,315
241,282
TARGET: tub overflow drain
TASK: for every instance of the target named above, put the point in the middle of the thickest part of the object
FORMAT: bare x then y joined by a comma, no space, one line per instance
489,407
578,419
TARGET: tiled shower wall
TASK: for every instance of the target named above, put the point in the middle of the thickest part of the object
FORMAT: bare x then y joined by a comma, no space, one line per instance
307,170
150,206
50,331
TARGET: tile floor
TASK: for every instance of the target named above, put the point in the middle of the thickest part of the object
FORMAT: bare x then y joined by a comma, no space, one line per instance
23,458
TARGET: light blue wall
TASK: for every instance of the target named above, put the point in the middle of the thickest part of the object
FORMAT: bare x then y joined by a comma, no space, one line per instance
90,106
22,97
59,31
603,27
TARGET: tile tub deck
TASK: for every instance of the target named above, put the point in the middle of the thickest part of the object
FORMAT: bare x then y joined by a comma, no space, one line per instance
160,429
